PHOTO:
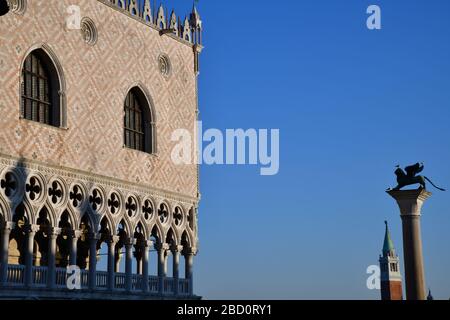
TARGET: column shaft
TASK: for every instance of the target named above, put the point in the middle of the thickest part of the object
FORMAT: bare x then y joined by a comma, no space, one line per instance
111,264
4,249
162,270
128,266
29,257
189,270
145,258
93,262
412,247
51,260
73,250
176,270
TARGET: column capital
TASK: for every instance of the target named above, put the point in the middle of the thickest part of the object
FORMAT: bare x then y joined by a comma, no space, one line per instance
54,232
8,225
130,242
113,239
75,234
32,228
176,249
410,202
94,236
147,243
162,247
190,251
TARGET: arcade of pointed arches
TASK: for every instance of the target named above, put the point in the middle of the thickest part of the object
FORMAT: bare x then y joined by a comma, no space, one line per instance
52,221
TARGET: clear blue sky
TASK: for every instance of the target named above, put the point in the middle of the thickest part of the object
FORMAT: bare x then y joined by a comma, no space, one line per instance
342,97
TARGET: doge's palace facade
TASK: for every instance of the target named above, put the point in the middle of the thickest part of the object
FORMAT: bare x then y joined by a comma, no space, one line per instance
91,204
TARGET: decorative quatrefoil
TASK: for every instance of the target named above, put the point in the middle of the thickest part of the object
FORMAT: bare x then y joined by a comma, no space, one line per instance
163,213
131,206
178,216
9,184
33,188
55,192
190,218
76,196
95,199
113,203
147,209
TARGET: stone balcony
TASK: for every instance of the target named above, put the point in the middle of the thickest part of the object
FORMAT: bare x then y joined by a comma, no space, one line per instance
16,286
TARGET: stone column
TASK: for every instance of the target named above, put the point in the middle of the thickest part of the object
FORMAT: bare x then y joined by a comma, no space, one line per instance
51,260
145,257
189,254
112,241
162,265
410,203
93,239
117,258
4,251
75,235
30,233
176,267
129,263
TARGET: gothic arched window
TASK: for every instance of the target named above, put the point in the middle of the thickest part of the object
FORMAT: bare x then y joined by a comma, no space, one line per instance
40,89
138,125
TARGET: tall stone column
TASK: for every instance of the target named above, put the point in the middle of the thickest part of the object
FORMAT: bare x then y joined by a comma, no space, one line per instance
162,265
93,239
145,257
189,254
112,241
51,260
75,235
410,203
117,257
176,267
4,251
30,233
129,263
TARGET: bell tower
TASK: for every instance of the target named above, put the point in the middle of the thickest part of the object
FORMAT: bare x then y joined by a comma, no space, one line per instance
391,279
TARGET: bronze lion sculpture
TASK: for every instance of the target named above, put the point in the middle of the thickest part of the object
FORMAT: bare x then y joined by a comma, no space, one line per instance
409,177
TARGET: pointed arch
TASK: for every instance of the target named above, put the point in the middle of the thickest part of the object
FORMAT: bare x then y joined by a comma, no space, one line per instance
141,134
5,211
74,221
140,233
53,219
65,221
108,223
157,234
146,228
186,240
88,222
171,237
45,217
126,227
41,63
24,211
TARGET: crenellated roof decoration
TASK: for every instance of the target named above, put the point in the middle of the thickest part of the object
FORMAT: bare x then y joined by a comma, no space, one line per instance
189,29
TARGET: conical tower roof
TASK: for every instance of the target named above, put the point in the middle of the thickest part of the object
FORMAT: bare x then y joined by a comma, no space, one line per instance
388,246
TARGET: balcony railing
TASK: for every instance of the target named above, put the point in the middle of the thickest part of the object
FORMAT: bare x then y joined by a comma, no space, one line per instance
16,278
16,275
